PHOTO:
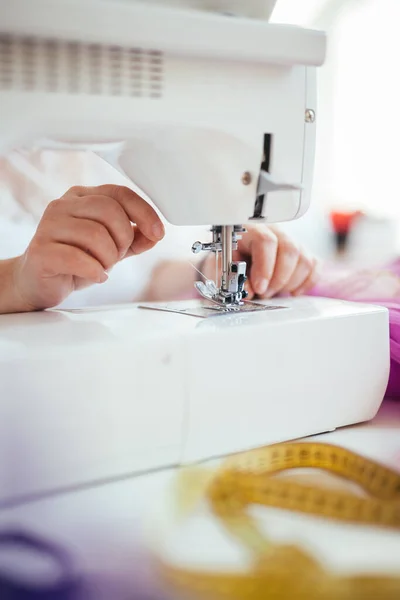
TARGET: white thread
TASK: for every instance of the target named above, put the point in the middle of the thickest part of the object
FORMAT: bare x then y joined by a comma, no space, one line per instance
196,269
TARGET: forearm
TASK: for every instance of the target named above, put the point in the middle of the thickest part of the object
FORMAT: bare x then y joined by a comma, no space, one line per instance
10,300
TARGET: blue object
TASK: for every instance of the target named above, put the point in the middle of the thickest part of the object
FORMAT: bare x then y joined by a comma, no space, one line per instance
67,585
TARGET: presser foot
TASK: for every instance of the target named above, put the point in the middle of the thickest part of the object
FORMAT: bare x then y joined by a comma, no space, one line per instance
230,294
223,301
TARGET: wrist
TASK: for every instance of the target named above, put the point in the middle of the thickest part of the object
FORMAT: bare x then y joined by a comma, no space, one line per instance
11,299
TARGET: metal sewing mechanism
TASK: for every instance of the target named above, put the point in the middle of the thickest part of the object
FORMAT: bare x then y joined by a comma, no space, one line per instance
230,293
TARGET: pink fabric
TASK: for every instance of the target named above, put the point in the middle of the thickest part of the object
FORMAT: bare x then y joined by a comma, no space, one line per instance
375,286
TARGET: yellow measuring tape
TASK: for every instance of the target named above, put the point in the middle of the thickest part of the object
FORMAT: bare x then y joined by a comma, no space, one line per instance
283,571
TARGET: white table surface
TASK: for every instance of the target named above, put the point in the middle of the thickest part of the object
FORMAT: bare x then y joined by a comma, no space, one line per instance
102,526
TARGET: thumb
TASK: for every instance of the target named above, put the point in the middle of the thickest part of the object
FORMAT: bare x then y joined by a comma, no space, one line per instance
140,243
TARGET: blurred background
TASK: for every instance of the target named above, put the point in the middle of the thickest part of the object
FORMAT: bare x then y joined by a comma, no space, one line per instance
358,128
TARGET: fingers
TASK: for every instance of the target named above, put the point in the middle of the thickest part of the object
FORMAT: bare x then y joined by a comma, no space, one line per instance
302,272
80,237
97,208
285,265
276,263
99,221
89,236
309,283
261,244
61,259
137,209
140,243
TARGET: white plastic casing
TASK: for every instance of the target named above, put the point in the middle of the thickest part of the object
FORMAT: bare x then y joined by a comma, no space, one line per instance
96,394
185,99
260,9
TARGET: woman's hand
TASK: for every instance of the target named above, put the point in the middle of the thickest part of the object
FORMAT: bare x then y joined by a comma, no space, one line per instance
275,265
79,238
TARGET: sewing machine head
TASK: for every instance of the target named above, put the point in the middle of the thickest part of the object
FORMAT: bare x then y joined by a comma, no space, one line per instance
211,115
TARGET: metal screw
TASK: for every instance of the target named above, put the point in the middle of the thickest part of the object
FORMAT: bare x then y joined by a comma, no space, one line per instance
310,115
197,247
246,178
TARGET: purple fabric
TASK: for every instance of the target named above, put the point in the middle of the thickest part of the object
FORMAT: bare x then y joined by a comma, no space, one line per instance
374,286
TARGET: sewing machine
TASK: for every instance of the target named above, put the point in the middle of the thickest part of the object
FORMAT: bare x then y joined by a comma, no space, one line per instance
213,117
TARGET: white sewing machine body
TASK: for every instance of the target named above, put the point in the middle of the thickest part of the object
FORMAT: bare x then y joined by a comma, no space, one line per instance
194,107
103,393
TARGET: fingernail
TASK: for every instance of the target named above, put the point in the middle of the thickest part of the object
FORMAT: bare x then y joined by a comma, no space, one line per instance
103,277
271,293
261,286
158,230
